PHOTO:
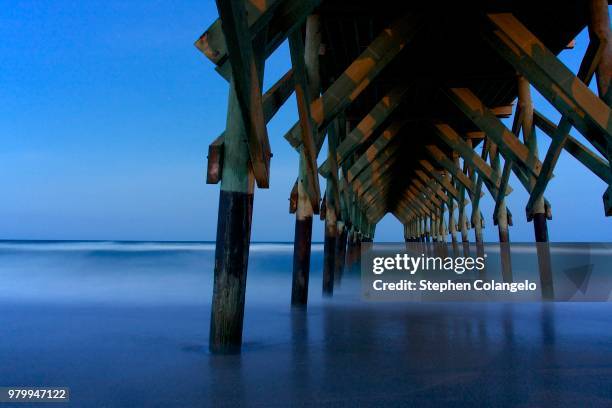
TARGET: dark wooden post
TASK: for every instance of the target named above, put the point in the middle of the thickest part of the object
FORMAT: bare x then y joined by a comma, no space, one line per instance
233,237
303,216
340,251
332,210
245,142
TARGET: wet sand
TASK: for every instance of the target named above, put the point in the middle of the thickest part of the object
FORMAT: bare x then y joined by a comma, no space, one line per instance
126,325
338,354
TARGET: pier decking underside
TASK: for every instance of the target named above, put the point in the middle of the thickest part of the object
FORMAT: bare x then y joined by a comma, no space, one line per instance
449,51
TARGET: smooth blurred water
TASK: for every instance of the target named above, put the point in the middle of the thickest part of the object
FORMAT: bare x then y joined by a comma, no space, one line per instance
138,273
126,325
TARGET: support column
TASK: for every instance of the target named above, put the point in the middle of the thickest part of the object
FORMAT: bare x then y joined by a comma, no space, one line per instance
329,246
540,226
340,251
233,226
303,216
332,210
233,237
301,247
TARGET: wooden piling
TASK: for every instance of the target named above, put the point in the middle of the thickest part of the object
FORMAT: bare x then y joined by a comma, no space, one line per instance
329,246
340,251
234,223
303,217
233,237
301,249
539,210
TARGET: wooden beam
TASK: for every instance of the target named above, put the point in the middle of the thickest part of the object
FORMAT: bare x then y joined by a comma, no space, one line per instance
245,80
508,143
308,151
568,94
450,137
376,169
432,185
272,100
378,147
417,195
277,17
212,43
382,177
368,125
442,159
426,192
360,74
444,182
583,154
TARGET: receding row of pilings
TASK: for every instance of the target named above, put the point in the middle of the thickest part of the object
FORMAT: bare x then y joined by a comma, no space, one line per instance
355,199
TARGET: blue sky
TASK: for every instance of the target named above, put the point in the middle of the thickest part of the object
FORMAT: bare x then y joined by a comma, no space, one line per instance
106,112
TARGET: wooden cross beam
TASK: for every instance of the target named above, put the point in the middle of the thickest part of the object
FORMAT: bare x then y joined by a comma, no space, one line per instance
433,185
404,213
590,61
434,191
568,94
442,159
427,193
417,195
583,154
272,100
375,189
444,182
452,138
377,169
245,80
375,197
381,150
309,150
508,143
368,125
359,74
403,206
409,201
278,17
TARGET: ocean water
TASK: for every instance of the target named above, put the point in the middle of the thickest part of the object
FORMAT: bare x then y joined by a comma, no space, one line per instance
125,324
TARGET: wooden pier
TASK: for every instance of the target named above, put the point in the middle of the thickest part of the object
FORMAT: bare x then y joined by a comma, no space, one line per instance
409,97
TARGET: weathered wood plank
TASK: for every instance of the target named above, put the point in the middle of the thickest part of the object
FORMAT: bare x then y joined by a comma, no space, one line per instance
508,143
568,94
303,98
215,161
245,80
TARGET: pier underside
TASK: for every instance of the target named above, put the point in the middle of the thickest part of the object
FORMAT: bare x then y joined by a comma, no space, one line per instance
411,99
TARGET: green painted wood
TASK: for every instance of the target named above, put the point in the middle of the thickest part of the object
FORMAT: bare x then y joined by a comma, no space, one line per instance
278,18
453,140
308,151
583,154
493,127
431,171
247,84
567,93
